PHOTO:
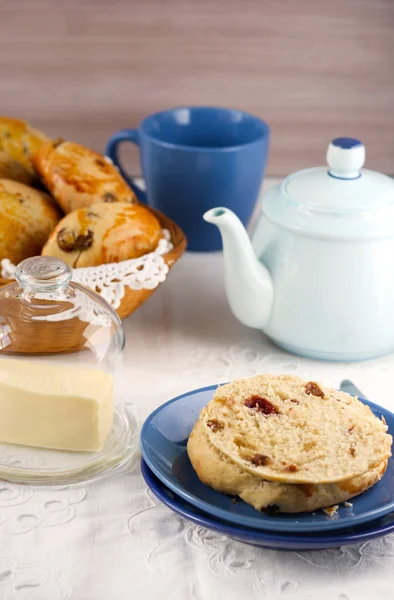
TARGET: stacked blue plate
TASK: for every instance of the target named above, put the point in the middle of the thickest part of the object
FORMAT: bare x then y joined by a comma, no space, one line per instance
169,474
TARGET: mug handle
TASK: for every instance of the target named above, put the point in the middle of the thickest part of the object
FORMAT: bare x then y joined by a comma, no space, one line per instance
111,150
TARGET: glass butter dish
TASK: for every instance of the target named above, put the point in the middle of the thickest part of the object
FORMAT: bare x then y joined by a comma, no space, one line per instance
63,417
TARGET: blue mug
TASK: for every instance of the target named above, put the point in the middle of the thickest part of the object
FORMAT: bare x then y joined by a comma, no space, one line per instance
196,158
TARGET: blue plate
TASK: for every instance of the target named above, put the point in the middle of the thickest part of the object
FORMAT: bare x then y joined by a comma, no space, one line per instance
164,437
264,539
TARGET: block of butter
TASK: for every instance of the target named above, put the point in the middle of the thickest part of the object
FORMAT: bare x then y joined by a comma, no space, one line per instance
54,406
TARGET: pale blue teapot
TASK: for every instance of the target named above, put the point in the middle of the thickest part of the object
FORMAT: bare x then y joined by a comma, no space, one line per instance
318,275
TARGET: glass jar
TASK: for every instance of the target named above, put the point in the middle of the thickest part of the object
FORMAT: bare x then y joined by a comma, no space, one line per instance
62,413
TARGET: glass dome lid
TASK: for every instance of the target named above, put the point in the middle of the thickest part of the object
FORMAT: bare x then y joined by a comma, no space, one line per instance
339,201
44,313
62,409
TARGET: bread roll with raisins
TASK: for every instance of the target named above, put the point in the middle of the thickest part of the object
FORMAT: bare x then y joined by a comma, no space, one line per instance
78,177
12,169
282,428
104,233
27,216
222,474
20,141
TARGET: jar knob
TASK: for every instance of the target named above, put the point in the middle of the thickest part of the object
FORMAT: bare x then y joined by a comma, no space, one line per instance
345,158
43,273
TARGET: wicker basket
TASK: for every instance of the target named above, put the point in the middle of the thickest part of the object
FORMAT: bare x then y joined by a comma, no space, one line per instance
132,299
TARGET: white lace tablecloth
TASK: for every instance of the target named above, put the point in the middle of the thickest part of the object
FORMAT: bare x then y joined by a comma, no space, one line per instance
111,540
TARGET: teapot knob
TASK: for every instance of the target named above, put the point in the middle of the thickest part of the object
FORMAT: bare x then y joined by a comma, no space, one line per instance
345,158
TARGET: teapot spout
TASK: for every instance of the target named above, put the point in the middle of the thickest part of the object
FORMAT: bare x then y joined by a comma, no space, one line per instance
248,283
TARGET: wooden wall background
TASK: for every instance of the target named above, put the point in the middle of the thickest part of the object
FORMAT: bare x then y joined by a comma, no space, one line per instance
314,69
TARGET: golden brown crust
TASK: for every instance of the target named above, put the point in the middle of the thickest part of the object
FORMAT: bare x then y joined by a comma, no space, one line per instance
20,141
12,169
27,216
104,233
78,177
222,474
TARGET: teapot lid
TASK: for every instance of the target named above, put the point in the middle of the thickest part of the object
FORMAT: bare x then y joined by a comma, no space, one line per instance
342,200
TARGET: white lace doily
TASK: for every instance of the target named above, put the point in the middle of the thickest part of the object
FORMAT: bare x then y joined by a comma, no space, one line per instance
110,281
